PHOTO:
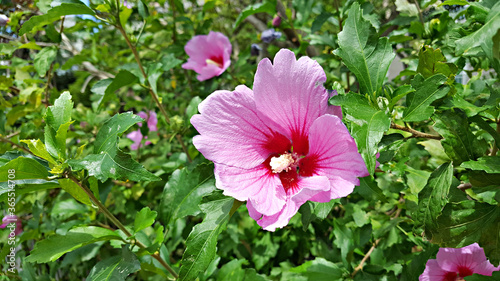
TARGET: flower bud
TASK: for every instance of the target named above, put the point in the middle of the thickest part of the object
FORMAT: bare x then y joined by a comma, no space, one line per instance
276,21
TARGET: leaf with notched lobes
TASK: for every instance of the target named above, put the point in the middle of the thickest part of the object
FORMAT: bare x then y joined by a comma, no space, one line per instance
432,62
363,52
434,196
115,268
108,161
459,142
489,164
419,103
201,244
183,192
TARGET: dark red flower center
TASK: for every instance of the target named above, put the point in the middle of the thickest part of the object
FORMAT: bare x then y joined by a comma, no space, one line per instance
289,159
463,271
216,60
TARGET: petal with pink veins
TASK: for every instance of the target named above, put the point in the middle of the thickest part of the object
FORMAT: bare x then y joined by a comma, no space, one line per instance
231,132
308,187
334,154
290,92
258,185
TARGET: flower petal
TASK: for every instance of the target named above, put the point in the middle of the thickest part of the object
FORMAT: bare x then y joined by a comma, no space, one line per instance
309,187
470,257
290,92
258,185
333,153
136,137
152,121
433,272
231,133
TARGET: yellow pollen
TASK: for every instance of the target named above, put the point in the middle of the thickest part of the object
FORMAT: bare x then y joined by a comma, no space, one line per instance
282,163
209,61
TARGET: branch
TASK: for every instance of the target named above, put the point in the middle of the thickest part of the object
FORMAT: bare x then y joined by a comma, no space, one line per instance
415,134
365,258
16,145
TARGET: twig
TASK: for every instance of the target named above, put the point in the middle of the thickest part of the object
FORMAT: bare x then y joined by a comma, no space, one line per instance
365,258
415,134
116,222
419,12
16,145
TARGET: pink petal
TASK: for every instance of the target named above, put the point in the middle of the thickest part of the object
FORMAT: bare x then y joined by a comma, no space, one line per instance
450,259
152,121
290,92
231,132
433,272
136,137
333,153
258,185
309,187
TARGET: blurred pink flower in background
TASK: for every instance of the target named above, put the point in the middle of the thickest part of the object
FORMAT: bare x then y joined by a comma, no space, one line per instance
454,264
279,145
12,219
209,55
137,136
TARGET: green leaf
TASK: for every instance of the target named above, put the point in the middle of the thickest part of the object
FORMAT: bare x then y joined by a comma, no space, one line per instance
57,245
184,191
434,196
38,148
202,241
55,14
313,210
485,126
192,108
75,190
459,143
26,186
59,113
482,35
108,161
106,88
489,164
363,52
368,125
426,91
369,189
25,168
107,137
319,269
144,218
263,250
467,222
432,62
154,72
116,165
264,7
143,9
115,268
44,59
232,271
495,276
319,21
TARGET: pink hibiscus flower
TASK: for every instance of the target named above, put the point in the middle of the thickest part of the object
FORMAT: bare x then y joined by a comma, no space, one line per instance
137,136
209,55
9,222
455,264
281,144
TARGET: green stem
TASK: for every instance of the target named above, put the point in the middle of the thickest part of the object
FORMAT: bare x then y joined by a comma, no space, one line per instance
116,222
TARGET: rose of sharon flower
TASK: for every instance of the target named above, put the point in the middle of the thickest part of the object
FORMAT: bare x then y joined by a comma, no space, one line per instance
9,221
136,136
281,144
209,55
454,264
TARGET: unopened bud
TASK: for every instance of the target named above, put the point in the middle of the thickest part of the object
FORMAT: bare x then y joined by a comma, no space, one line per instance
276,21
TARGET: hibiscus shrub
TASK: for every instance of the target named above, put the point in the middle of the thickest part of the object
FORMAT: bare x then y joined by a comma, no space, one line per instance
233,140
